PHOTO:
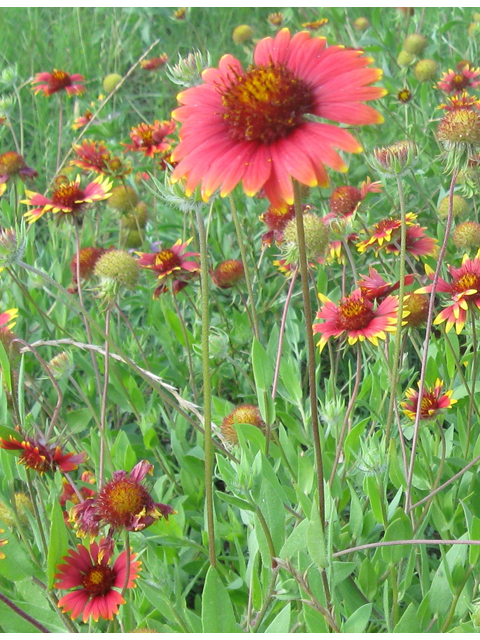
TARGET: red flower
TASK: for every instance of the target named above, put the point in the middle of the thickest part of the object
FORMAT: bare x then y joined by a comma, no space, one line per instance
154,63
384,231
458,81
252,126
276,219
171,262
464,291
432,401
81,121
12,164
356,318
51,83
94,156
8,318
68,199
228,273
417,243
41,456
91,571
344,200
68,493
88,260
151,139
374,287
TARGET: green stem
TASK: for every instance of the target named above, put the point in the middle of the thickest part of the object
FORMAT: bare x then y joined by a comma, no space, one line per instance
187,346
243,253
60,130
474,380
398,334
453,606
103,408
207,397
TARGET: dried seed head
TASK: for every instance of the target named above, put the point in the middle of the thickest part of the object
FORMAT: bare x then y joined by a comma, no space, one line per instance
426,70
415,43
467,235
244,414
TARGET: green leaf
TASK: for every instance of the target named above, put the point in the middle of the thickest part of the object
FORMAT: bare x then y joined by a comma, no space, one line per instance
262,367
399,529
281,624
297,541
236,502
341,570
474,551
316,539
58,543
217,609
371,488
5,368
409,621
358,621
355,523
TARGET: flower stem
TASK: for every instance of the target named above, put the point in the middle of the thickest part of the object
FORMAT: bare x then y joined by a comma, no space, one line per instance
207,399
103,408
187,346
23,614
282,331
310,350
398,333
243,253
474,381
421,385
60,130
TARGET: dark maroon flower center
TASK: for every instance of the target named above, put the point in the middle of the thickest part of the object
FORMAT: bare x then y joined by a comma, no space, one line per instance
266,103
355,314
59,80
459,81
68,196
429,405
166,261
99,580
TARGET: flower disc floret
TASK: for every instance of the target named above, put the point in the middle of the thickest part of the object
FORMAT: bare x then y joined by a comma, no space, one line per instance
252,126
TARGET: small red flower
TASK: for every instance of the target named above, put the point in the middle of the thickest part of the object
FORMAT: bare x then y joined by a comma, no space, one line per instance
41,456
356,318
276,219
12,164
151,139
464,291
68,198
51,83
95,156
81,121
228,273
417,243
384,231
432,401
374,287
458,81
154,63
97,581
345,200
8,318
171,262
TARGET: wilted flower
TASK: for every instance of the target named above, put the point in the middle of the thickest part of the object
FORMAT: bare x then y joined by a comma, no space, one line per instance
51,83
374,287
154,63
276,219
151,139
97,581
345,200
41,456
432,402
88,260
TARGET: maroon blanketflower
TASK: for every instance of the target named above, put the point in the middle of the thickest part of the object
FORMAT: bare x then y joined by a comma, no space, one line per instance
171,262
81,121
417,243
41,456
51,83
458,81
356,318
253,127
432,401
88,260
90,570
151,139
228,273
68,198
12,164
276,219
68,493
154,63
384,231
345,200
95,156
124,502
374,287
464,291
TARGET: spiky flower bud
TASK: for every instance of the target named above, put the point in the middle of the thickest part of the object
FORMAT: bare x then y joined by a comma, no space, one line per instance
396,158
228,273
460,207
242,34
426,70
405,59
244,414
12,247
415,43
467,235
188,71
123,198
116,270
316,238
62,365
9,76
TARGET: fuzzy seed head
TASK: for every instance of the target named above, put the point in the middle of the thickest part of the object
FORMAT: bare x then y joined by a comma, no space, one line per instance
405,59
242,34
361,24
426,70
116,270
244,414
110,82
467,235
123,198
136,219
415,43
228,273
461,126
460,207
316,236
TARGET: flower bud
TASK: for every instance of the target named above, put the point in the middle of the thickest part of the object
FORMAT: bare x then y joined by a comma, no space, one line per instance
460,207
361,24
415,43
405,59
426,70
111,81
396,158
123,198
188,71
62,365
242,34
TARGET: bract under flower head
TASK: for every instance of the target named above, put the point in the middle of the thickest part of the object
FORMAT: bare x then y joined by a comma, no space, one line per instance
41,456
95,581
432,402
68,199
356,318
56,81
252,127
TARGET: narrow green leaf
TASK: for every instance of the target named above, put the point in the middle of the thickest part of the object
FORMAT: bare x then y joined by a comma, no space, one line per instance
281,624
358,621
217,609
316,539
58,543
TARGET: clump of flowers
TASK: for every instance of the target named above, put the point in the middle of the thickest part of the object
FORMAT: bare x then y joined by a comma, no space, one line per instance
243,414
95,582
12,165
467,235
432,402
42,456
58,80
68,200
356,318
171,263
150,139
374,287
228,273
458,81
252,126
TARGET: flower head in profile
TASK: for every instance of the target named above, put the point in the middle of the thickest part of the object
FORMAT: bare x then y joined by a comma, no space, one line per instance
95,156
460,80
42,456
374,287
356,318
68,200
12,165
464,291
173,262
151,139
82,121
459,130
94,582
276,219
56,81
243,414
417,243
433,401
345,200
386,231
252,126
228,273
154,63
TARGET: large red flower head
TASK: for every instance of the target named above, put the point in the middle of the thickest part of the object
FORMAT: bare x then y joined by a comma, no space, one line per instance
68,198
356,318
56,81
464,291
173,262
151,139
12,164
458,81
97,584
41,456
252,126
432,401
